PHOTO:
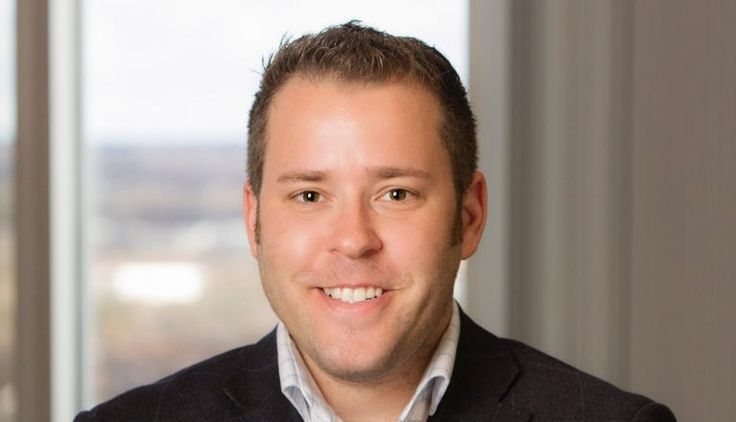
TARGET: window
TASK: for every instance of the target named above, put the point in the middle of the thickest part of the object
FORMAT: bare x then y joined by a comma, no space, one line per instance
167,87
7,142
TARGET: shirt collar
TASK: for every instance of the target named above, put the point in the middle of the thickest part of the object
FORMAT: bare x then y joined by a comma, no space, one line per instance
302,391
297,383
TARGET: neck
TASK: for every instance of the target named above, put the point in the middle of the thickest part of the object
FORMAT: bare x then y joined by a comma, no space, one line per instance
369,401
381,399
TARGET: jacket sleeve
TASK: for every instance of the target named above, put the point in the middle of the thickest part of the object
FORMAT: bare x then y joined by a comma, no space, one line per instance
86,416
654,412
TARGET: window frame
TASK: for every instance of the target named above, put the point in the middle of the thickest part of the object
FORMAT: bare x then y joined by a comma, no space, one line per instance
48,211
50,206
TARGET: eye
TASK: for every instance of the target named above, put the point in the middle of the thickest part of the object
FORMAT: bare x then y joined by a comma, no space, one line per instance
397,195
308,196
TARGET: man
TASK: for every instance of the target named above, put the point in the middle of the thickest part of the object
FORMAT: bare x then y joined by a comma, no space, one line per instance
363,196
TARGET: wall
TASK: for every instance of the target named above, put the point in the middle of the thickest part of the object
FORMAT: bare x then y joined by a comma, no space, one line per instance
683,280
618,156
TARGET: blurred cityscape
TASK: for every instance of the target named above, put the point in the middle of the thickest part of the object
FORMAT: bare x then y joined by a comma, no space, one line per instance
170,279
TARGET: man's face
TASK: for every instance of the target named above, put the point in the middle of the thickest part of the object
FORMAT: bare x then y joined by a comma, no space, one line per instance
356,214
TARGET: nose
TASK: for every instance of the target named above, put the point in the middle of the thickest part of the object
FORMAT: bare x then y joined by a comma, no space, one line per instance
354,234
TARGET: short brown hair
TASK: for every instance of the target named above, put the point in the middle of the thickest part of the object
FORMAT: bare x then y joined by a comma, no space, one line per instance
353,52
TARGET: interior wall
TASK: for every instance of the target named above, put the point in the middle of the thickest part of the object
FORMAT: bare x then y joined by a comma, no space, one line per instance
619,181
683,284
487,290
569,155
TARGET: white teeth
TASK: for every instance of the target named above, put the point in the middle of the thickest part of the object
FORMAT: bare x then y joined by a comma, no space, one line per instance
359,294
350,295
347,295
335,293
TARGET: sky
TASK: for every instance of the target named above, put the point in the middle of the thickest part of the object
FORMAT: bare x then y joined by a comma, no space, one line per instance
186,70
7,69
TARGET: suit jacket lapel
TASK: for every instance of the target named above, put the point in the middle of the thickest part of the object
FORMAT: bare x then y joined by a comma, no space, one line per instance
255,388
484,372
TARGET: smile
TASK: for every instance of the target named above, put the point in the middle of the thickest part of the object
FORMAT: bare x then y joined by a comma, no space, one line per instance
353,295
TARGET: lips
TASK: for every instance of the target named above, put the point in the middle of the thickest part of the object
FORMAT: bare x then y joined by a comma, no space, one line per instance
353,294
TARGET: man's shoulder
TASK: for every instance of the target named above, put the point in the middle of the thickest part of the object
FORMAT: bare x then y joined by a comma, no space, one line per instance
531,382
204,391
553,387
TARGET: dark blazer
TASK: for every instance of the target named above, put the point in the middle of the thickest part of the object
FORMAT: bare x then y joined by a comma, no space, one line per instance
493,380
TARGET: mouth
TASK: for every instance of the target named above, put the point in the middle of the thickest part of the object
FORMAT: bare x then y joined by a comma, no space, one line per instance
353,294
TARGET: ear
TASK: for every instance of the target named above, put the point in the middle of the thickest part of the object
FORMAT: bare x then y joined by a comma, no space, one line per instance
474,212
250,216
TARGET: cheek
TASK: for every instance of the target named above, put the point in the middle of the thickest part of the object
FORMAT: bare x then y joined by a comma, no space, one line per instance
418,241
289,240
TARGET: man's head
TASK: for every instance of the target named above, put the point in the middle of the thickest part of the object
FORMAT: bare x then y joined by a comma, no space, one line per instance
366,197
355,53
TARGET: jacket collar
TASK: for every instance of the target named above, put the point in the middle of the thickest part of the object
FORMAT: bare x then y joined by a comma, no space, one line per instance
485,371
254,386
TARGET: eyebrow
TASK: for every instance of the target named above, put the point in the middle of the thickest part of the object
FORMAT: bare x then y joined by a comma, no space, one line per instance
312,176
301,176
392,172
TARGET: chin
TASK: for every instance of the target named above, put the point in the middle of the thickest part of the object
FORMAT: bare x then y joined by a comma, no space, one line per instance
355,367
356,374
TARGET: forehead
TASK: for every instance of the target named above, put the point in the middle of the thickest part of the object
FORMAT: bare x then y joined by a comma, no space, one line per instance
301,91
326,114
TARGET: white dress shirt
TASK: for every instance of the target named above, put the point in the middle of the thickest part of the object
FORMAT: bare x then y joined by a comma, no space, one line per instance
302,391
